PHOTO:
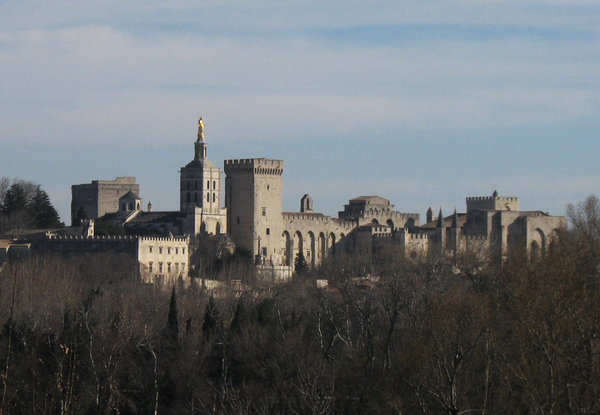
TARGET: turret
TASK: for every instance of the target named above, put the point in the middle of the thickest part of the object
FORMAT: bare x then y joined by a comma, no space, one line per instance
306,204
429,215
440,219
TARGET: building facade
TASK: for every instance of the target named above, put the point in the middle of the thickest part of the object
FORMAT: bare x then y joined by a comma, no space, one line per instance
95,199
254,219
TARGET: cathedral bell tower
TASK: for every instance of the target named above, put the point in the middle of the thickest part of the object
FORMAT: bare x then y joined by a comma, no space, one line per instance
200,180
200,191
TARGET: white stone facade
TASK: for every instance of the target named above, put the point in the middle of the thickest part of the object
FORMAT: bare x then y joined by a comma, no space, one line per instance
163,259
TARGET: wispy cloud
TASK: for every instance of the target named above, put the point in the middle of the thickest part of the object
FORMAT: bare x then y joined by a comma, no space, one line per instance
110,74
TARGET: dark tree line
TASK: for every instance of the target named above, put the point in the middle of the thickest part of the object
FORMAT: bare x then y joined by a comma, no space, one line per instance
437,335
24,205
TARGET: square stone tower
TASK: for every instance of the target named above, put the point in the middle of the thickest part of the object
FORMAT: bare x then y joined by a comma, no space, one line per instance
99,197
253,201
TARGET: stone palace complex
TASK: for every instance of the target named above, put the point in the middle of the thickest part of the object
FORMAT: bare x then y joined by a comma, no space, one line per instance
253,219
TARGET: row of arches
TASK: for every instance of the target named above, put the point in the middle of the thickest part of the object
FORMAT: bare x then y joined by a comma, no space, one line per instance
314,247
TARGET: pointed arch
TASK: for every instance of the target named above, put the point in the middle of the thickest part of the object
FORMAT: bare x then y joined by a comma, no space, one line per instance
288,248
322,248
331,243
311,257
298,245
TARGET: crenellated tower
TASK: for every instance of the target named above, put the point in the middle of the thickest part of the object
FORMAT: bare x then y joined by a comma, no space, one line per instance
253,199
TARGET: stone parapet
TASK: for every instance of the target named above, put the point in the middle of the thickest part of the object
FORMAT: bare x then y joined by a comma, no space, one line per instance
255,166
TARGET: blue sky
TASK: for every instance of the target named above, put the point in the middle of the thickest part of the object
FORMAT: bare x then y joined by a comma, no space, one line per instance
422,102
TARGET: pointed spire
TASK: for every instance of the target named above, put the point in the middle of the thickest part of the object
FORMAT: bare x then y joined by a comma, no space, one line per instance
429,215
440,219
455,220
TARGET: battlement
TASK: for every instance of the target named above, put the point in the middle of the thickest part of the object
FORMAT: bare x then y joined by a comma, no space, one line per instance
257,166
318,218
493,202
92,238
491,198
164,239
309,217
101,238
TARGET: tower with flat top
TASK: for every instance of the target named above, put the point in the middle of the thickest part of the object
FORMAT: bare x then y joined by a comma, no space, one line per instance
253,190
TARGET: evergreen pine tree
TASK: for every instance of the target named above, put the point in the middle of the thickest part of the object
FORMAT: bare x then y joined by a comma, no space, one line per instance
44,214
15,200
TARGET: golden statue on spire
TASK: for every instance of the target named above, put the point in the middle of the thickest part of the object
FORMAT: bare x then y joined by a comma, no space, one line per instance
200,129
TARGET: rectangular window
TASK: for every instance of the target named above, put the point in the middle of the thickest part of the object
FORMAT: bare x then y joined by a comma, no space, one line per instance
160,249
160,267
183,250
150,264
150,249
264,211
169,251
176,267
268,231
176,251
264,251
169,267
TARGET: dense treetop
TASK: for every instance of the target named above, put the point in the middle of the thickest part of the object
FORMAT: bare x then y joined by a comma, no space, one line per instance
24,205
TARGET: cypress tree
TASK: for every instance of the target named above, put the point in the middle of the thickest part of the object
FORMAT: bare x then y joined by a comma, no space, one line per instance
172,328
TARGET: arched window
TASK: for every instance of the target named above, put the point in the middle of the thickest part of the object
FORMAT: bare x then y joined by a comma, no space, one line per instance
189,197
208,197
214,197
208,184
214,184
